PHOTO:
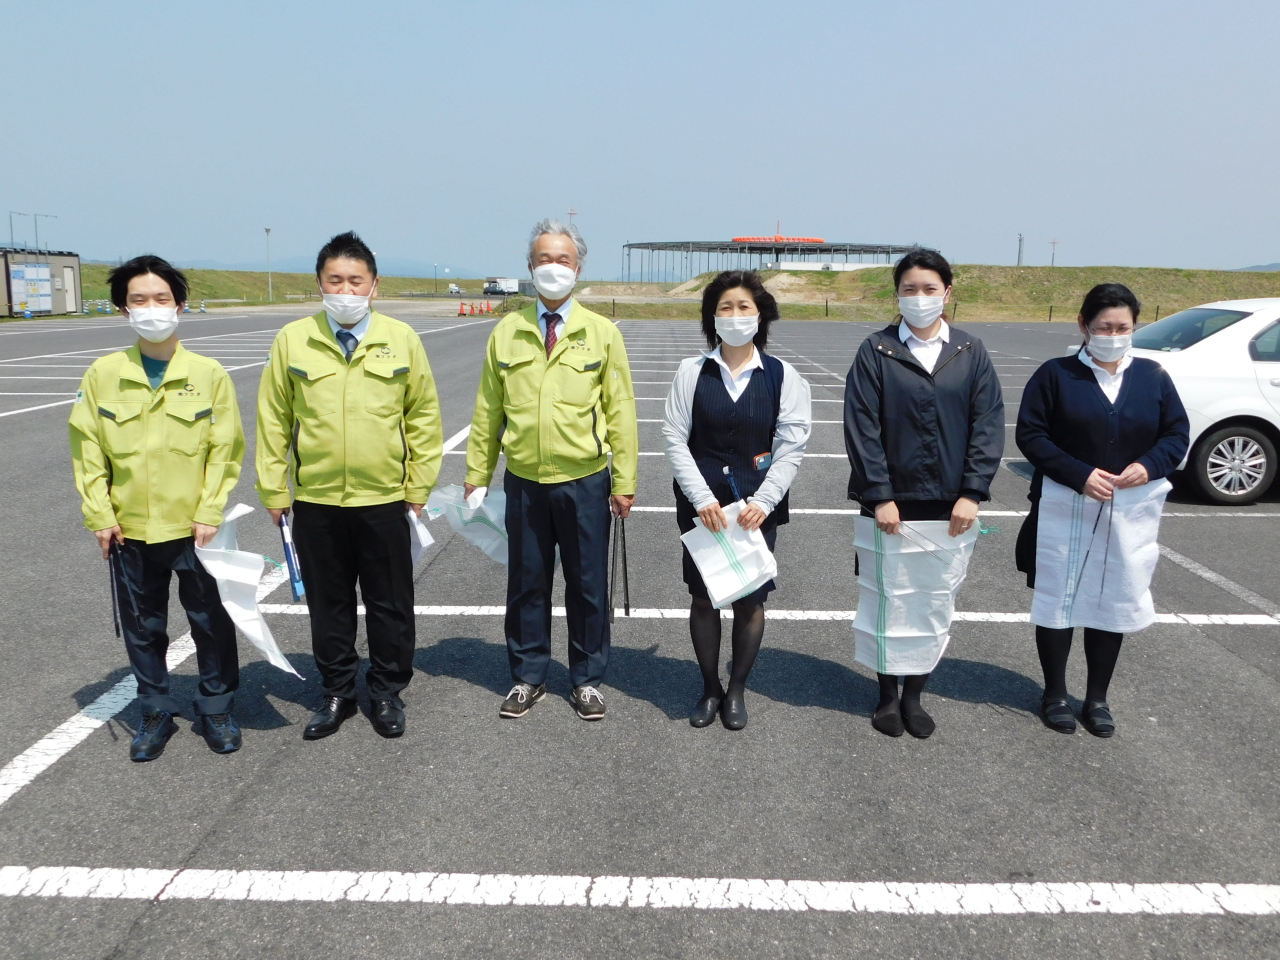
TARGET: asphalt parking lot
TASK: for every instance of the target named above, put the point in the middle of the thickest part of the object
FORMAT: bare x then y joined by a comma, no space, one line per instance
365,847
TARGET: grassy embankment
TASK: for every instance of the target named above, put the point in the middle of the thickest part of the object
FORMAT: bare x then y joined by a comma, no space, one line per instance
252,287
981,293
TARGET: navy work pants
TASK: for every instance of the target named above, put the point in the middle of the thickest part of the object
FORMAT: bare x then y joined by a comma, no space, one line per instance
576,516
143,575
338,547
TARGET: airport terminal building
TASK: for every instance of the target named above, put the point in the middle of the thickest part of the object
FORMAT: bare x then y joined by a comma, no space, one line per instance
41,282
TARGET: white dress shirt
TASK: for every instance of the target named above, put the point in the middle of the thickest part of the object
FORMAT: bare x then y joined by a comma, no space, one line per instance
735,384
358,331
926,351
542,317
1110,383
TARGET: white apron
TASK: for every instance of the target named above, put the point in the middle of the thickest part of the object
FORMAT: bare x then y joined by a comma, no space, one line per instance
1094,561
907,586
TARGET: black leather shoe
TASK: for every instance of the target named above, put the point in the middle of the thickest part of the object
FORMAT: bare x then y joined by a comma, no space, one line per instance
918,723
733,712
706,710
153,733
888,719
329,718
221,732
1096,716
388,718
1056,714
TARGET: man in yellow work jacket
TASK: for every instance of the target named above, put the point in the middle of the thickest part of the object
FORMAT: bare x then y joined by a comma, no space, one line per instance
556,378
347,413
156,446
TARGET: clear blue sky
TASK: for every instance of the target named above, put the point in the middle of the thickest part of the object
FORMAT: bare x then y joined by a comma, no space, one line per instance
1135,133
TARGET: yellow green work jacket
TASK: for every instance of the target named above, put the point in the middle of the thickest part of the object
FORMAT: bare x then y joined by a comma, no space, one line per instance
154,461
348,434
563,414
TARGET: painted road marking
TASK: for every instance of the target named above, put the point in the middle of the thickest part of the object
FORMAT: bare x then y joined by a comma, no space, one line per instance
689,893
1218,580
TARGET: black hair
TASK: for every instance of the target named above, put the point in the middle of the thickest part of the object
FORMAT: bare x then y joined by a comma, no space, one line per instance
748,280
346,245
120,276
924,259
1105,296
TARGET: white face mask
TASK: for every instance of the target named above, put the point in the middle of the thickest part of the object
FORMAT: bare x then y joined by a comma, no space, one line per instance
346,309
738,331
1109,349
920,312
154,323
553,281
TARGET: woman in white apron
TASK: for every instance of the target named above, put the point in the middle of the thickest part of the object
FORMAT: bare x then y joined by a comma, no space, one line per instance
1103,430
924,431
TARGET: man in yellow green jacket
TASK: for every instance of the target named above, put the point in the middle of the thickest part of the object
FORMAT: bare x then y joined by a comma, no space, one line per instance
556,388
156,446
348,414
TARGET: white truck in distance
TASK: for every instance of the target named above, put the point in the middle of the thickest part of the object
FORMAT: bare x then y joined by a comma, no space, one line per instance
501,285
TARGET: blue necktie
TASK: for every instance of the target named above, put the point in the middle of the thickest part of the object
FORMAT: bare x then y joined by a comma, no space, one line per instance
348,341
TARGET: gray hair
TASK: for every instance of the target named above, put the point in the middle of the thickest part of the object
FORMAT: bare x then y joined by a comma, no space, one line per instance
552,226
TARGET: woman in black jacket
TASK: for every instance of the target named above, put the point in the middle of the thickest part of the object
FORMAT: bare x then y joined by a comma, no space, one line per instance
924,431
1094,422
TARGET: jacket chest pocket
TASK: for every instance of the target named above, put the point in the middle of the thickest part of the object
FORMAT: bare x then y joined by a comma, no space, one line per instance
578,382
521,378
384,387
187,427
317,389
122,430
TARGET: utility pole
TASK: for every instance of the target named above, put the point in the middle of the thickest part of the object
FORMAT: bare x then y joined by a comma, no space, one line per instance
435,272
12,214
1053,258
270,292
1019,249
572,213
35,219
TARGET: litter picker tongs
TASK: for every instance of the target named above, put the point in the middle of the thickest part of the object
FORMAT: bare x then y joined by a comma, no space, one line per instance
932,548
1110,509
619,537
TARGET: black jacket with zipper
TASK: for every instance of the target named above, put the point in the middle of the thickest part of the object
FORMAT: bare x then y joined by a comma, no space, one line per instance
912,435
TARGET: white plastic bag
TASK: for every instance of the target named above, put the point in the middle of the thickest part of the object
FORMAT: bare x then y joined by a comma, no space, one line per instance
907,585
481,519
733,562
1095,561
238,574
419,536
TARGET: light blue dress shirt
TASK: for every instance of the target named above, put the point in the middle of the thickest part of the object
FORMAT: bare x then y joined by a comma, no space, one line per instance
358,331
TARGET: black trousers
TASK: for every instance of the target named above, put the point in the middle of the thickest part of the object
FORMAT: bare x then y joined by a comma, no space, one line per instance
339,547
576,516
143,576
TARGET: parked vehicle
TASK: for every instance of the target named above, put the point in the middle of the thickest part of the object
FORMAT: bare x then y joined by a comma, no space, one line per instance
1224,359
501,286
455,289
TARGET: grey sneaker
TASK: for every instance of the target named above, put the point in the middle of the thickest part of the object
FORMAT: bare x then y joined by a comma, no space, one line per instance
521,699
588,702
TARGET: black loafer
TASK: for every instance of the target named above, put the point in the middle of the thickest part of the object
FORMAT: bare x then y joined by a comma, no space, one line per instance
388,718
153,733
888,720
1056,714
733,712
918,723
706,710
1096,716
221,732
329,718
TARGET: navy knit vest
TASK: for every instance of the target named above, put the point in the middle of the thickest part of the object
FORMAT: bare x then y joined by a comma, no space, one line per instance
738,434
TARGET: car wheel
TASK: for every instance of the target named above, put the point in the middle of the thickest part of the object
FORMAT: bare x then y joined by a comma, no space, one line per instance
1234,465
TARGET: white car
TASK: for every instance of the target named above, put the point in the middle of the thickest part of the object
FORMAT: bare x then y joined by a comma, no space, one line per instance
1224,359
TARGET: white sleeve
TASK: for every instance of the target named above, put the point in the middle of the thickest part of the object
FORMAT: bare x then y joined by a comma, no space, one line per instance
677,423
795,423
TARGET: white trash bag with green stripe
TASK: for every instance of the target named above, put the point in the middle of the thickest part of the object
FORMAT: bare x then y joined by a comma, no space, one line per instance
733,562
907,586
482,519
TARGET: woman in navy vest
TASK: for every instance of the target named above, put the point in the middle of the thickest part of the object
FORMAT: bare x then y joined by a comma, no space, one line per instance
738,408
1094,422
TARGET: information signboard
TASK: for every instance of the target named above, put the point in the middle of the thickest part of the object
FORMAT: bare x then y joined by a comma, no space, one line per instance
31,287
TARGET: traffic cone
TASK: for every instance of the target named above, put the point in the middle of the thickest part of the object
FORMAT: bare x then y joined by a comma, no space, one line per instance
488,307
462,311
473,309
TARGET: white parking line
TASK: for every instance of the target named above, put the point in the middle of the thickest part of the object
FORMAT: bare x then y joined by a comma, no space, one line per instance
1218,580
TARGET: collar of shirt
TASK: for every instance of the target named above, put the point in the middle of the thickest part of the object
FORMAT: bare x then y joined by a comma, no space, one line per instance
906,334
736,384
564,316
1092,364
358,331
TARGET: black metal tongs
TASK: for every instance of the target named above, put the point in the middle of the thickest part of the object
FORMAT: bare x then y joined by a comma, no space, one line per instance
619,537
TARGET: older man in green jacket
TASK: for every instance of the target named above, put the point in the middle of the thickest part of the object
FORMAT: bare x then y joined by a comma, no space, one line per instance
556,394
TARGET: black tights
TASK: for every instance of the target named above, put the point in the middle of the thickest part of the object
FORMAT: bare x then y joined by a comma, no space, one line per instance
748,631
1101,650
912,687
